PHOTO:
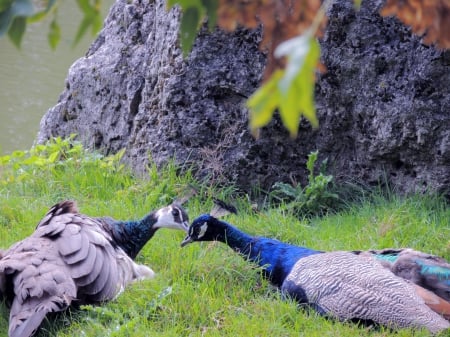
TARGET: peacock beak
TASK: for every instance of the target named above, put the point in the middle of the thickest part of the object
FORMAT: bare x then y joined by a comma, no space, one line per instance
187,240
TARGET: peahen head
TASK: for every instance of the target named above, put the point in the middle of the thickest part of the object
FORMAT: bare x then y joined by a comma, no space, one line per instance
205,228
172,216
131,236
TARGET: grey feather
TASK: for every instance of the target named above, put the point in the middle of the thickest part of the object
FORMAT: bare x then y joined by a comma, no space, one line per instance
97,285
70,256
348,286
89,278
70,241
84,267
80,254
20,328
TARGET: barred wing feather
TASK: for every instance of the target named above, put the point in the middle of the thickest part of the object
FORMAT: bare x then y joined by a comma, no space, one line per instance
69,256
349,286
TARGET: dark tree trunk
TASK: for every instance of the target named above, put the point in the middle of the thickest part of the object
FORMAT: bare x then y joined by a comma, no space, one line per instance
383,103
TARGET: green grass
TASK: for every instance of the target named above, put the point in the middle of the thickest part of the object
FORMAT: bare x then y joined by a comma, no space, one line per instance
204,289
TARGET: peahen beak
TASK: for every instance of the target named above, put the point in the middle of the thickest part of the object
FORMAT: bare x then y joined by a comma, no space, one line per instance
187,240
185,225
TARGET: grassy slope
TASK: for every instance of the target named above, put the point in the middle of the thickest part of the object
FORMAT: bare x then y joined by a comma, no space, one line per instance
206,289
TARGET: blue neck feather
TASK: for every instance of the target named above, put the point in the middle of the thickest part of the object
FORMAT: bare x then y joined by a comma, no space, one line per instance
131,236
276,258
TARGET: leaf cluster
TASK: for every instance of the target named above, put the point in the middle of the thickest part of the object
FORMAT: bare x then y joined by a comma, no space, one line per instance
91,18
313,199
291,90
55,154
15,15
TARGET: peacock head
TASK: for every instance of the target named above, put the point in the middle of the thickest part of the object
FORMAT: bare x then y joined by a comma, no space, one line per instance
204,228
172,216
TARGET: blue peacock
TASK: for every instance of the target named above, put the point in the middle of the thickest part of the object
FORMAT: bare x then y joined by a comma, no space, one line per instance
344,285
74,258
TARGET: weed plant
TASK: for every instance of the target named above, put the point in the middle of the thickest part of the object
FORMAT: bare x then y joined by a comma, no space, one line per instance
316,198
204,289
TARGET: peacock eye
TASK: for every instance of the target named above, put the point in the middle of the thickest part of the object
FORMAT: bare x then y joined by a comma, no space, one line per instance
175,212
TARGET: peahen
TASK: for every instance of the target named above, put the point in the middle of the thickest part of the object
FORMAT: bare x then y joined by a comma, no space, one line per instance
72,258
344,285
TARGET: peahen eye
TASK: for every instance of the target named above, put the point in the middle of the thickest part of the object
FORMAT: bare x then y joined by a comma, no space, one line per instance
175,212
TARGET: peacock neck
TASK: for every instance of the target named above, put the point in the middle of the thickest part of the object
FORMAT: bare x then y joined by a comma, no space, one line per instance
275,257
235,239
131,236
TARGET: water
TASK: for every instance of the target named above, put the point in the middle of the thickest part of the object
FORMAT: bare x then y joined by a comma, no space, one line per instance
31,79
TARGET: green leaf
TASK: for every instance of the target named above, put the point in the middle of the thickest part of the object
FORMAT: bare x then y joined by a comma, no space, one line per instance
16,30
92,18
54,34
211,10
289,112
290,90
193,13
85,7
97,23
308,81
10,11
82,29
264,101
188,28
39,16
53,157
5,159
312,158
295,50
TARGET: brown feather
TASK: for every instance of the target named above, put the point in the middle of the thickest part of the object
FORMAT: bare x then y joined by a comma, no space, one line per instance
435,302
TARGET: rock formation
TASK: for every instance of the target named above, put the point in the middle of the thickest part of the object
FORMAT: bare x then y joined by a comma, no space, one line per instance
383,103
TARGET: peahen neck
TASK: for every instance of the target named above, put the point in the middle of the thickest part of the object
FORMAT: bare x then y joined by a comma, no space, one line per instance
275,257
131,236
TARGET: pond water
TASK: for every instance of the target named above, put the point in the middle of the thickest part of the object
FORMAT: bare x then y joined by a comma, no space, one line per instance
32,78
